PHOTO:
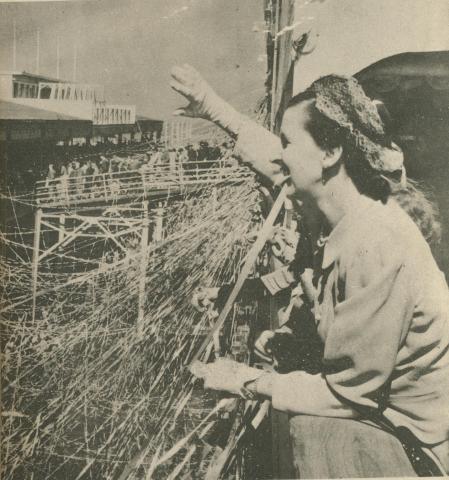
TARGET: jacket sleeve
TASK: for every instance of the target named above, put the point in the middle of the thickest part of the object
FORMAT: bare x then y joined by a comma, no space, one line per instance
361,345
260,149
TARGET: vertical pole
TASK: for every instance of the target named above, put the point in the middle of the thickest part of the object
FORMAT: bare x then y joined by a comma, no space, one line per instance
143,271
275,70
61,233
105,189
214,200
57,57
158,229
75,55
14,46
38,46
35,264
178,143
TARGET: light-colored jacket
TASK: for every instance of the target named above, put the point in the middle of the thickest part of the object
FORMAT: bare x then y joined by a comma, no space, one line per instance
382,311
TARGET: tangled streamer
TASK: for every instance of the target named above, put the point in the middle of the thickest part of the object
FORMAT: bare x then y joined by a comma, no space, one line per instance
85,396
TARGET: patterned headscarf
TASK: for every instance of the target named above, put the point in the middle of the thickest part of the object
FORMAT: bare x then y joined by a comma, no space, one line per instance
342,100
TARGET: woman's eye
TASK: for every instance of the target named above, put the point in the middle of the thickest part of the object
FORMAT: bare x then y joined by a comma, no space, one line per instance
283,168
284,141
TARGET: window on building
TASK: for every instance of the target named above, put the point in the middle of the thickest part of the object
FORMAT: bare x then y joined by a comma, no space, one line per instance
45,93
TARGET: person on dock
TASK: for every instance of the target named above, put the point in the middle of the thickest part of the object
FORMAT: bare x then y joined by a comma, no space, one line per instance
50,181
381,305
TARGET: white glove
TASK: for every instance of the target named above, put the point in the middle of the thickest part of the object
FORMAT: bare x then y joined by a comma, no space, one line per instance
226,375
203,101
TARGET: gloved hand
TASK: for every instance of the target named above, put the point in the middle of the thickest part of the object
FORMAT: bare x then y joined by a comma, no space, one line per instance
226,375
204,298
203,101
258,147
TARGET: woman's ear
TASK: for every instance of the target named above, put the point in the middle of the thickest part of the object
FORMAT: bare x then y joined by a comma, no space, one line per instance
331,157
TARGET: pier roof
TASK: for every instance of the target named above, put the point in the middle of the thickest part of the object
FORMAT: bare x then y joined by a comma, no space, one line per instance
15,111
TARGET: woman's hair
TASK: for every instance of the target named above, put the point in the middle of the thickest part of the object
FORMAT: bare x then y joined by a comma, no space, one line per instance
420,207
341,115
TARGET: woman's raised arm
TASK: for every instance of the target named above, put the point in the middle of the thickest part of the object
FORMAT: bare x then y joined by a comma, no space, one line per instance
256,146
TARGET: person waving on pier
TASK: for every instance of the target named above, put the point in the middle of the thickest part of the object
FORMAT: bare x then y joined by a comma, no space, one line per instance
382,305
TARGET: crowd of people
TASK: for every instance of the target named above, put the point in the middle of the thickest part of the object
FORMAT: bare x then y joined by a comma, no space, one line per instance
91,175
73,163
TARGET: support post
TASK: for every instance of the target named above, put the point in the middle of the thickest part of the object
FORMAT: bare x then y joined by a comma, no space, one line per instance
61,232
159,227
143,271
214,199
275,68
36,254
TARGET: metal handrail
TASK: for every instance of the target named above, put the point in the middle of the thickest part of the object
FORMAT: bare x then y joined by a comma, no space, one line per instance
115,185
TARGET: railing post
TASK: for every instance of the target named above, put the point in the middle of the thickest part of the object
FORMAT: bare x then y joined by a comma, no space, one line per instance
105,187
36,254
144,185
61,232
214,199
159,227
143,272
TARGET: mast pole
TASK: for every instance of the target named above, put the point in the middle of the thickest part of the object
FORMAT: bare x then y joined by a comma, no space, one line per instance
57,56
38,45
14,49
75,59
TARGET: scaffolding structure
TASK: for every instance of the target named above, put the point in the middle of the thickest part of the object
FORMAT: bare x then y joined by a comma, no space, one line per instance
113,207
114,223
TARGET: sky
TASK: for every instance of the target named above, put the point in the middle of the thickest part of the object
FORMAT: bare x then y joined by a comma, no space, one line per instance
129,46
349,35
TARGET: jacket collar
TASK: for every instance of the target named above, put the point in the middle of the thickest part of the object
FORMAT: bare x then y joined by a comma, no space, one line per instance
345,230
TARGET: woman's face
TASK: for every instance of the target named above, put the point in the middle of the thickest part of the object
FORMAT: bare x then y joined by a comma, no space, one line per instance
301,155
